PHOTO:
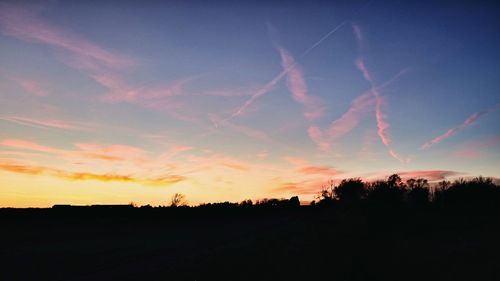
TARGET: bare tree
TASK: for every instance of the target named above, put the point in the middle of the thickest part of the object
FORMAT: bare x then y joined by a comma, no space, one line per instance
178,200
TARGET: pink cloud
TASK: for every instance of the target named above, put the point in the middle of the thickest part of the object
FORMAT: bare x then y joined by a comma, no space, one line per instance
360,64
296,161
350,119
440,138
473,118
318,138
305,187
298,87
270,85
100,64
398,157
174,150
27,25
452,131
475,149
118,90
110,152
32,87
22,144
382,124
319,170
155,98
431,175
113,152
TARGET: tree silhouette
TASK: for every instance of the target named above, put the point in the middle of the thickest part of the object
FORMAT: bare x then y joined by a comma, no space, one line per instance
178,200
418,192
387,193
350,191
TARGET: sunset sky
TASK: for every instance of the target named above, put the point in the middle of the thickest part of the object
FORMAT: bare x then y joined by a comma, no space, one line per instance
111,102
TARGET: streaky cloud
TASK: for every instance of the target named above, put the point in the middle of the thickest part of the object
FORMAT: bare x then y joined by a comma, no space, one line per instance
319,170
32,87
25,24
350,119
475,149
432,175
245,130
270,85
452,131
49,123
382,124
318,137
28,145
298,87
81,176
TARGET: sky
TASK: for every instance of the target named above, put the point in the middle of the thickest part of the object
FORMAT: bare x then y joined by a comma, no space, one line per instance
112,102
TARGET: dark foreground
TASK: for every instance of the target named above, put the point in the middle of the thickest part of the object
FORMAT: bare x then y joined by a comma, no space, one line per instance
300,243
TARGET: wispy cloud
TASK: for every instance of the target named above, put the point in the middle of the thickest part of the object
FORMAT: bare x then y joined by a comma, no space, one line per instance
300,187
260,92
350,119
157,98
113,152
32,87
270,85
245,130
475,149
119,90
28,145
452,131
313,108
25,24
49,123
319,170
174,150
317,136
78,176
296,161
104,66
382,123
84,151
398,156
304,167
216,160
431,175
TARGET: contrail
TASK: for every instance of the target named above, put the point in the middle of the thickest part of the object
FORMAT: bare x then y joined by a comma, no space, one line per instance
452,131
264,90
324,38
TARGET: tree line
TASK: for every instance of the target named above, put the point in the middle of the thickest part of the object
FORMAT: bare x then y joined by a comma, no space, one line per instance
391,192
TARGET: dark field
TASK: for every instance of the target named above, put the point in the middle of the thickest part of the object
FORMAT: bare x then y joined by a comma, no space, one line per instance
301,243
